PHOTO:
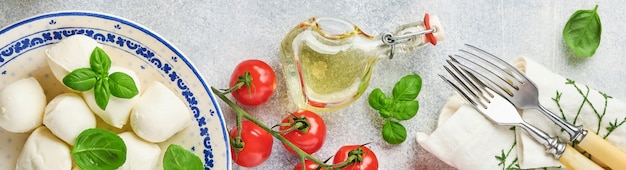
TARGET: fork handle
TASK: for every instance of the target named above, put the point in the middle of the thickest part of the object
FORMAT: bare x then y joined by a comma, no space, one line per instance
605,153
572,159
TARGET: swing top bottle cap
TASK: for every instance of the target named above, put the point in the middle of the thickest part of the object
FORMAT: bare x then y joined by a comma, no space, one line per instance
433,25
436,23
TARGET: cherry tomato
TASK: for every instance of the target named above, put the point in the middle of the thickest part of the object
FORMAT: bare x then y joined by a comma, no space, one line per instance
260,88
369,160
309,138
257,145
309,165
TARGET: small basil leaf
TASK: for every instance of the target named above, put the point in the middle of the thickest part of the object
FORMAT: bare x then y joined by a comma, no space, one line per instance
99,149
102,93
100,61
122,85
394,132
388,102
385,113
582,32
407,88
178,158
405,110
81,79
378,100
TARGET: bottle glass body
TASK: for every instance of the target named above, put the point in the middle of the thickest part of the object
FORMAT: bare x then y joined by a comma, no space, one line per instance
328,62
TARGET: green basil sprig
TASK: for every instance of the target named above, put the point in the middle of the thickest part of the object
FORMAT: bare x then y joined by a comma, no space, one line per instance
401,106
97,77
178,158
582,32
98,149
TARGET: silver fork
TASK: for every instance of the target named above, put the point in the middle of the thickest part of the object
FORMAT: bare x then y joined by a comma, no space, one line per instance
513,85
499,110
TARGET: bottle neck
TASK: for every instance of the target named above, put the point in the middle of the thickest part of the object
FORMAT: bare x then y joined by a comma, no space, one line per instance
408,37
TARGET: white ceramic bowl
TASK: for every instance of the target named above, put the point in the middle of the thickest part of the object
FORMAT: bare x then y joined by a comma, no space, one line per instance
129,45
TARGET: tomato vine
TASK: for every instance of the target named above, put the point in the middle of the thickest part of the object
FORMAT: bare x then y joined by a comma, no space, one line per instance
241,114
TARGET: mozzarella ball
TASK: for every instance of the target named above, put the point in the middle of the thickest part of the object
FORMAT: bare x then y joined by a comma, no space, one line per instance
22,105
118,109
141,154
43,150
159,114
70,54
67,115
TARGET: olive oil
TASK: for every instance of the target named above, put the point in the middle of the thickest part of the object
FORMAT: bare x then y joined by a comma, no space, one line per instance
335,78
328,62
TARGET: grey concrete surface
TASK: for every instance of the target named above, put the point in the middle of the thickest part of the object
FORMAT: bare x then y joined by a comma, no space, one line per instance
216,35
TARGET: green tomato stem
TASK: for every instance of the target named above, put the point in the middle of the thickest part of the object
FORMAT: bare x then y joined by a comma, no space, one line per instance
301,125
243,80
281,124
350,160
238,123
303,163
276,134
291,129
231,89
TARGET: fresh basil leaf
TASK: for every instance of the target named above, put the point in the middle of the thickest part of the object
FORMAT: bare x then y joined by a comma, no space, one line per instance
374,99
405,110
385,113
122,85
178,158
407,88
100,61
102,93
378,100
582,32
394,132
98,149
81,79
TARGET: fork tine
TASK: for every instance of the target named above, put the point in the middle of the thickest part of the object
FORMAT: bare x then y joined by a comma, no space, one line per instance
474,83
456,71
475,80
489,67
459,91
466,68
473,92
484,80
518,74
467,95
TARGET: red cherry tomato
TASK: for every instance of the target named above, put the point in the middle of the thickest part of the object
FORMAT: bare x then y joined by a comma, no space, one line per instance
369,162
257,145
309,165
312,138
262,86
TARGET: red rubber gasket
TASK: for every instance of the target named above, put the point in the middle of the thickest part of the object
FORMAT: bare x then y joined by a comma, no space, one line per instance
429,37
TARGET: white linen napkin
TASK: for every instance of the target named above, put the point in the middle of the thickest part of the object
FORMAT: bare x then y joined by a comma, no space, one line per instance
466,140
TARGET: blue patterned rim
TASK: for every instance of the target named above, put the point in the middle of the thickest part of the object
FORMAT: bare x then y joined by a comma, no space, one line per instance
27,43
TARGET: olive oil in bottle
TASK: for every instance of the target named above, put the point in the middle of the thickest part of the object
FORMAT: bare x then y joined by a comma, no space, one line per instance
328,62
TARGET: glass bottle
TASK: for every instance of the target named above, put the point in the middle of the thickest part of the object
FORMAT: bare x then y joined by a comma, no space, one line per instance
328,62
